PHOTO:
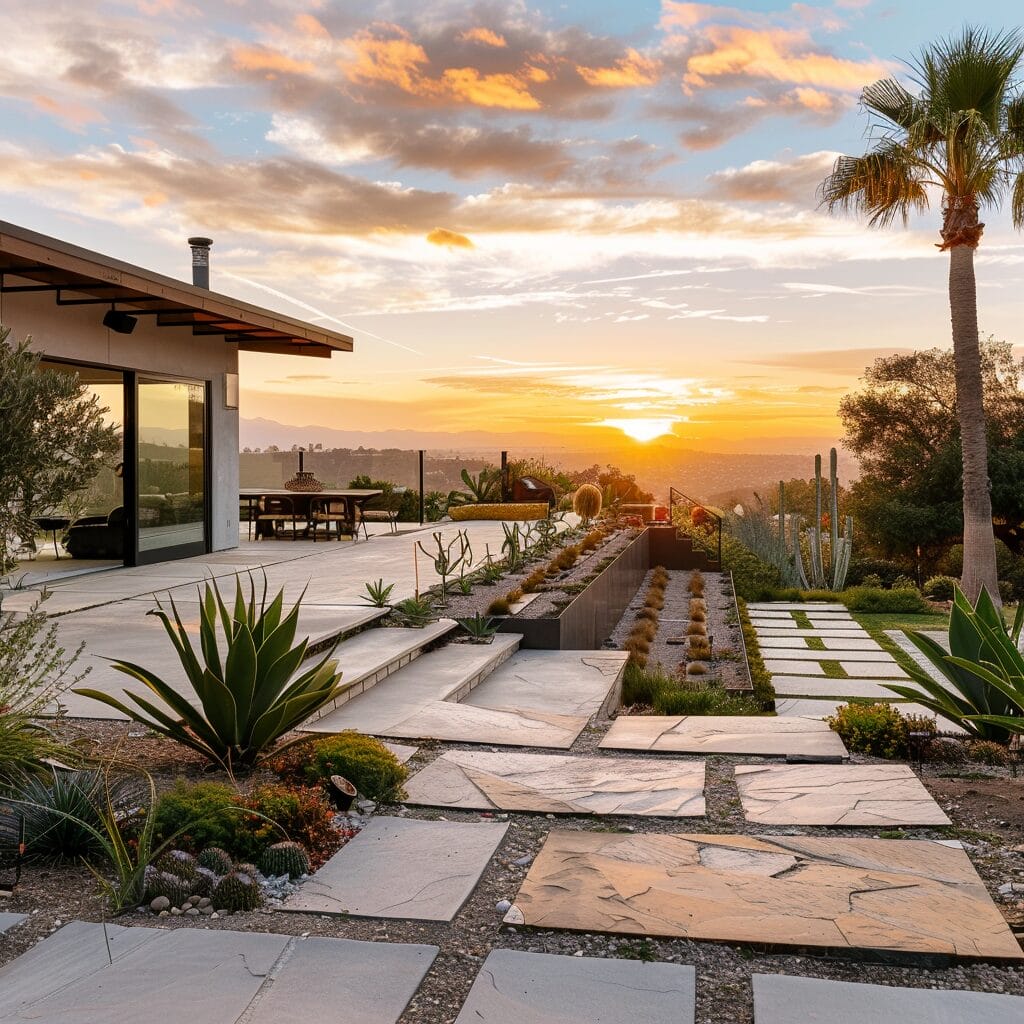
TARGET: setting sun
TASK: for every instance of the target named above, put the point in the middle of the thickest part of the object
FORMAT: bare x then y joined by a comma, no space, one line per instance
642,429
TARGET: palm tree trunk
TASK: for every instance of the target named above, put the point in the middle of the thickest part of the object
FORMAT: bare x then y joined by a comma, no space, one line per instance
979,539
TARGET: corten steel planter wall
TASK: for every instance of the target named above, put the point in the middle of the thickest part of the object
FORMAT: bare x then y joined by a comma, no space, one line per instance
588,621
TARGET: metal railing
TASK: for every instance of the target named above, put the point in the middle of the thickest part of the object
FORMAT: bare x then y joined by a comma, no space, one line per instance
676,498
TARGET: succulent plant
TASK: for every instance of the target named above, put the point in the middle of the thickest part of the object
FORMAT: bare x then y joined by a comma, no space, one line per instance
245,868
177,862
163,883
204,883
238,890
284,859
216,860
586,502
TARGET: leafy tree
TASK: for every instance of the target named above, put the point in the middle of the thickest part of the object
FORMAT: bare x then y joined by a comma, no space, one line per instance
962,134
903,425
53,438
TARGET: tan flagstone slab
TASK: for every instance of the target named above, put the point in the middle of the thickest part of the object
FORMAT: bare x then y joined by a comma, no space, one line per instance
766,736
908,896
560,784
877,795
540,988
790,666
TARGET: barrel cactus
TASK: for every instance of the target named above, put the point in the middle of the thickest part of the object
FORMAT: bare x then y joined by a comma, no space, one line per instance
284,859
163,883
216,860
204,883
238,890
586,502
177,862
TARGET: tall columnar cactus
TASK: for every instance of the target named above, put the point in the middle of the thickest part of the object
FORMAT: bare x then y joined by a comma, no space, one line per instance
839,547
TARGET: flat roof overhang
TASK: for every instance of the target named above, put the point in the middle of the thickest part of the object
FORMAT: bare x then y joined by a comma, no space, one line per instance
30,262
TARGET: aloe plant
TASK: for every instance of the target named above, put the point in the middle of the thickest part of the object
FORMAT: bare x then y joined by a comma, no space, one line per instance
984,670
246,700
482,488
377,594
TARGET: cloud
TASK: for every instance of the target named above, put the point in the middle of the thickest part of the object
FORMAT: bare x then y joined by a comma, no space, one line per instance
482,35
261,58
845,361
633,69
449,239
785,181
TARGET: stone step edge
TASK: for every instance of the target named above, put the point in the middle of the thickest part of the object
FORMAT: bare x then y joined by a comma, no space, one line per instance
360,684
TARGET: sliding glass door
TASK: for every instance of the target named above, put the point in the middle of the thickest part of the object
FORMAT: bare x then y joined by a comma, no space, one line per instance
170,469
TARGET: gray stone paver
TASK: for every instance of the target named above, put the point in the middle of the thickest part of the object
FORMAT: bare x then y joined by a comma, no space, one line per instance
808,686
8,920
870,670
780,999
198,976
539,988
797,606
788,707
402,868
877,655
790,666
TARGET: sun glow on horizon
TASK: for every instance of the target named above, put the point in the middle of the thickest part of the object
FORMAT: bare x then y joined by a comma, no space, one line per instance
642,429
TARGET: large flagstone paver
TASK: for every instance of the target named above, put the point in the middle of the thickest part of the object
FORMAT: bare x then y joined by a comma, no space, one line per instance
539,988
900,638
402,868
81,975
560,784
825,631
780,999
554,682
765,736
8,921
908,896
805,686
878,795
339,979
784,666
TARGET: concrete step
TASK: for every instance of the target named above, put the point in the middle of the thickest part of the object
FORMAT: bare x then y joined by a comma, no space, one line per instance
375,654
445,675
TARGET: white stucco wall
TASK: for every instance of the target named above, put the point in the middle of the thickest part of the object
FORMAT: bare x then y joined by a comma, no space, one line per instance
77,333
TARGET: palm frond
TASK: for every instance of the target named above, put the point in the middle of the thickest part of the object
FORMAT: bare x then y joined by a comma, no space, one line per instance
1017,201
891,101
885,184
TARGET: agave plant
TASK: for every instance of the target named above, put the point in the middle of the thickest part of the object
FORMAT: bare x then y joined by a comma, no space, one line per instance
481,628
479,489
246,700
984,670
377,594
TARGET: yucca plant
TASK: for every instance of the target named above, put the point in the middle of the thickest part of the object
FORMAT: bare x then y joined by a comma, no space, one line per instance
984,670
246,700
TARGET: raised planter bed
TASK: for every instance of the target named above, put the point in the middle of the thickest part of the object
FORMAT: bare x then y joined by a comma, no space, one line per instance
588,620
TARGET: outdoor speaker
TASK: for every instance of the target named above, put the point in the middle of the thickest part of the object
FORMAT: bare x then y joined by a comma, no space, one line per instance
122,323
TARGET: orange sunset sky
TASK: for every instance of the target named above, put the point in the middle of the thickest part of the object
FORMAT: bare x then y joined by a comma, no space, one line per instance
572,218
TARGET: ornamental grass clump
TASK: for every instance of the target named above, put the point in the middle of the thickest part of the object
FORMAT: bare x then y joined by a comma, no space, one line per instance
248,699
696,585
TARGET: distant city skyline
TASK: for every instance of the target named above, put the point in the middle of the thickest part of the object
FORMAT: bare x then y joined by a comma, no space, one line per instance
582,219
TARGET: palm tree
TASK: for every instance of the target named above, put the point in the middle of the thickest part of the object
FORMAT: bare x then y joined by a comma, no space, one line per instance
961,134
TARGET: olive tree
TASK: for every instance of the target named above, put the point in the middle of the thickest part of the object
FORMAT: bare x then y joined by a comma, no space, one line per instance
53,441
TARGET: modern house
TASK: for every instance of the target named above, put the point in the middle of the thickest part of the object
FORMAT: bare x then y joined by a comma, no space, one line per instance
162,356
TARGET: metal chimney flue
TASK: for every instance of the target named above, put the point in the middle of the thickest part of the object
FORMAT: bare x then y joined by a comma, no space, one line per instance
201,261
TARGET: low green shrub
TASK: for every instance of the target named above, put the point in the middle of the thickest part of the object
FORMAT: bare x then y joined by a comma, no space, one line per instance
364,761
988,752
904,583
865,571
871,599
639,685
875,729
939,588
207,811
683,699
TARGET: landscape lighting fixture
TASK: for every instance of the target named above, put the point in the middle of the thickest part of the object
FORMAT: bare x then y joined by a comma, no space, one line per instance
120,322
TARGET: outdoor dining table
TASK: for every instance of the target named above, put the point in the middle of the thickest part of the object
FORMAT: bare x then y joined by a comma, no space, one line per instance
352,498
